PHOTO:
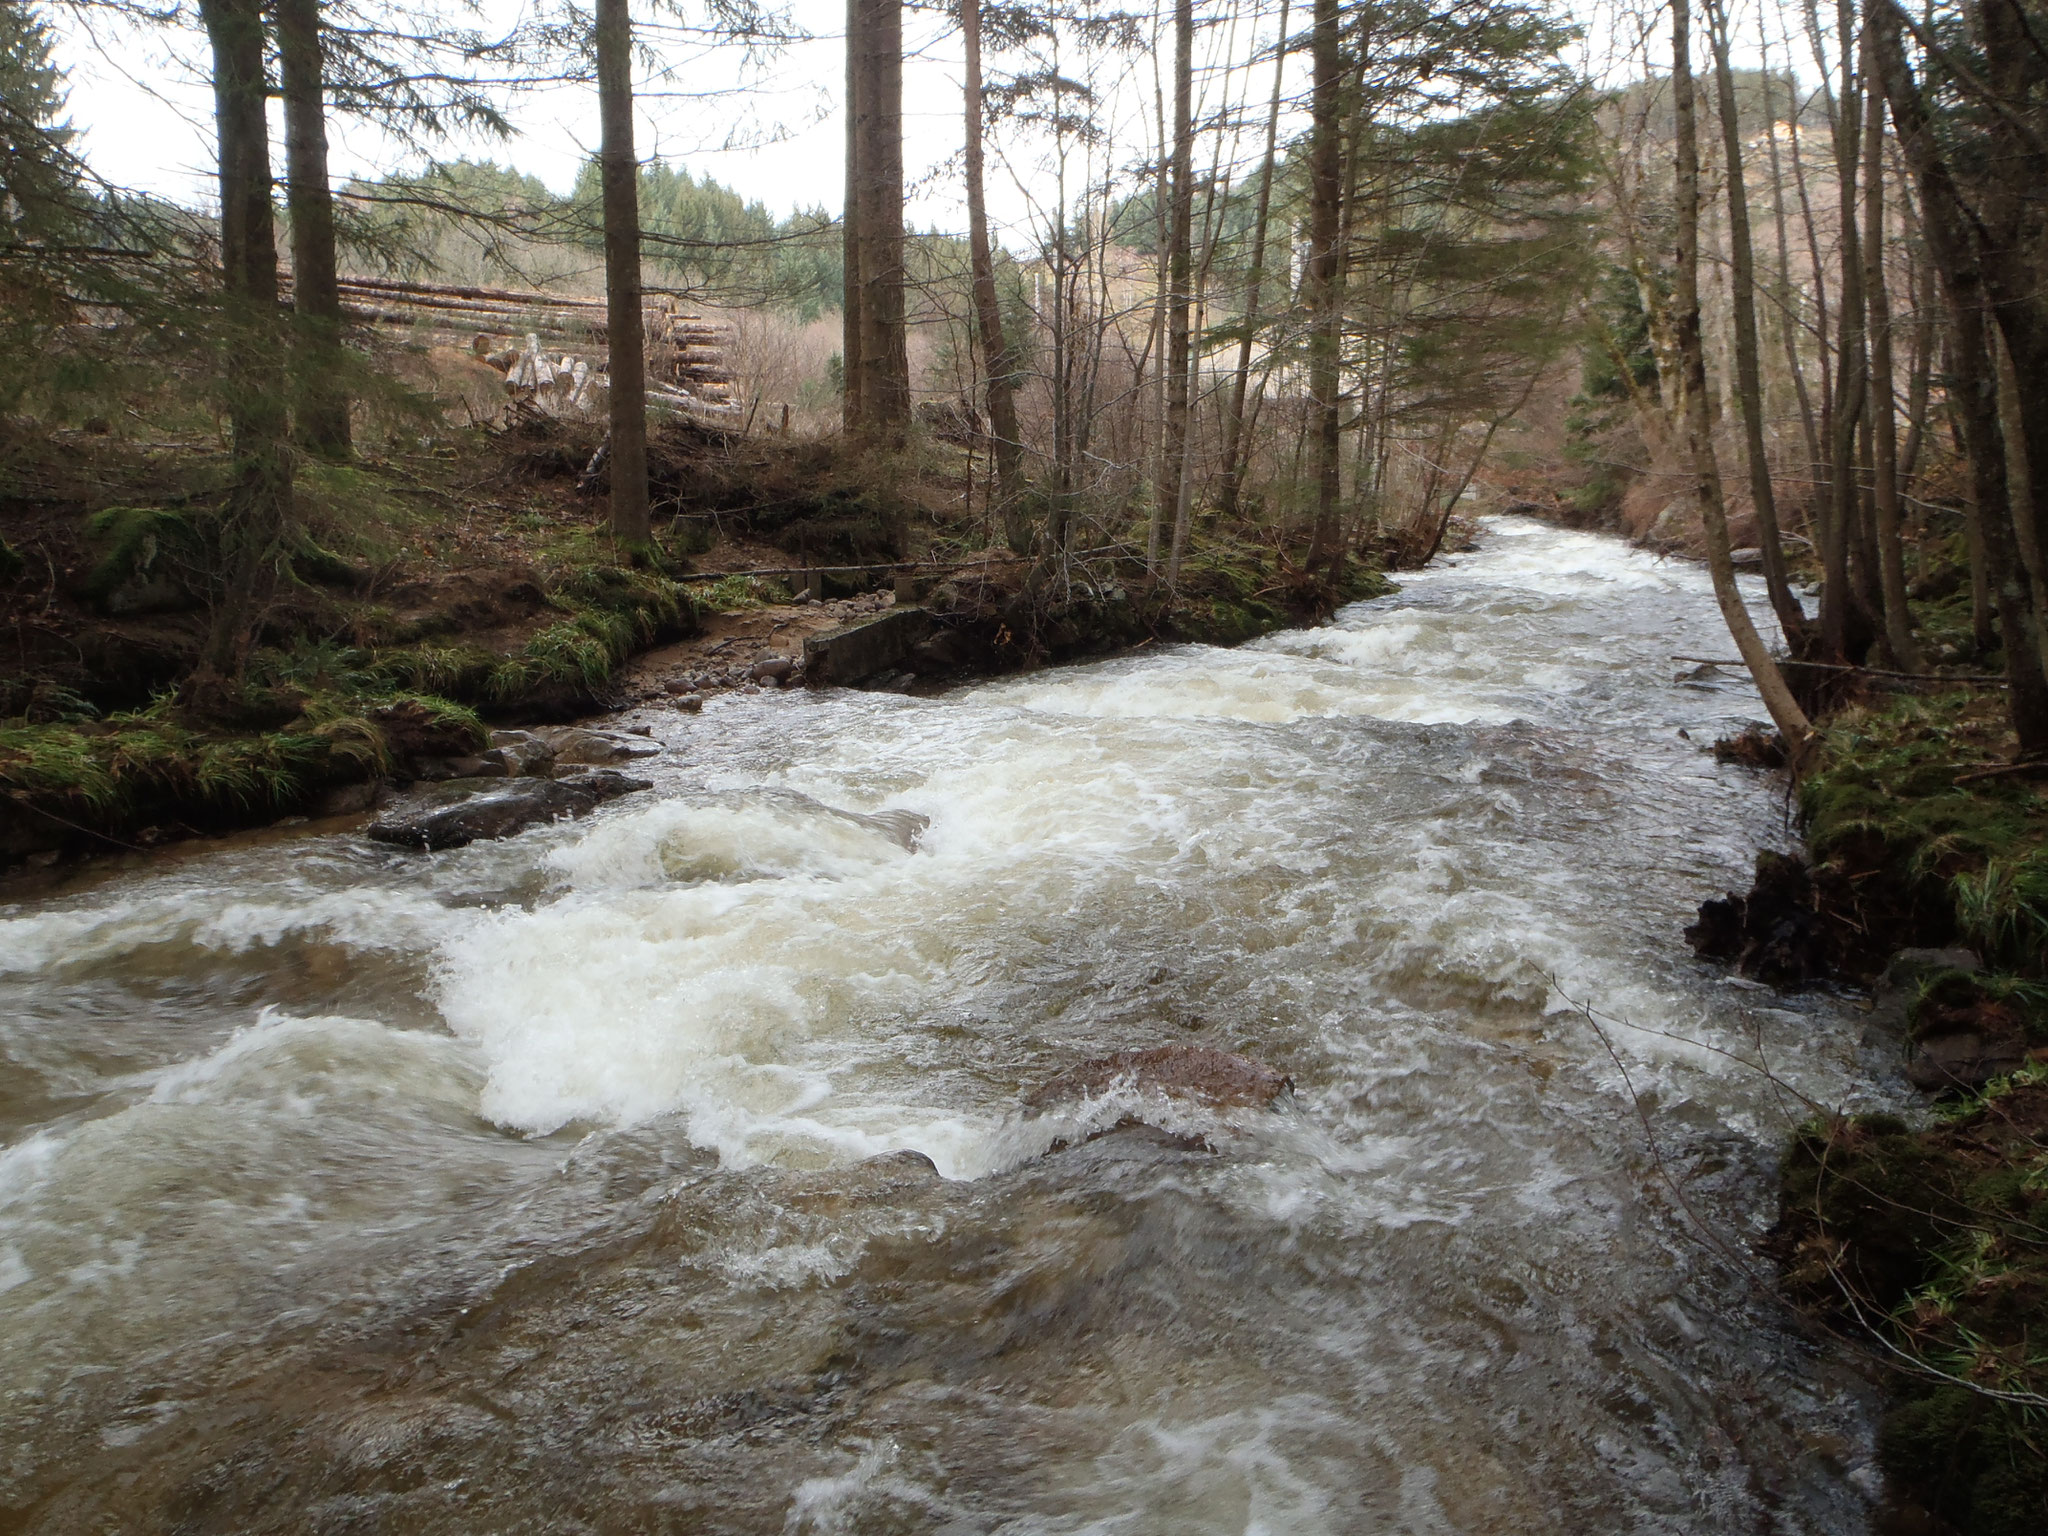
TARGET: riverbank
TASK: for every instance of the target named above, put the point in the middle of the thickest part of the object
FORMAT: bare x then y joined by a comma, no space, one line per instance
471,583
1924,1240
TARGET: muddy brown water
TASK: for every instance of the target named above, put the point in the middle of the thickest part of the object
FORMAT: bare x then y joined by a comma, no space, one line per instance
547,1185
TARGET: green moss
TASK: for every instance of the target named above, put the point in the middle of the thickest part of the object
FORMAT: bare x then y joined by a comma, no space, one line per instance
140,541
1885,802
140,770
1938,1238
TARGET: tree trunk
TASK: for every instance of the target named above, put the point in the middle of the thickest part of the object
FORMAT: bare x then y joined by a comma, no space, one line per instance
1845,614
2014,253
1235,448
1920,371
619,174
875,40
2019,477
1323,277
1179,281
253,523
1884,460
1973,380
851,283
1770,682
1155,343
998,361
1787,294
322,403
1749,387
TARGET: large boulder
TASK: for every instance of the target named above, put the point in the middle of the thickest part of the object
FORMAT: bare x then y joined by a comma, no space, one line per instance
855,652
465,811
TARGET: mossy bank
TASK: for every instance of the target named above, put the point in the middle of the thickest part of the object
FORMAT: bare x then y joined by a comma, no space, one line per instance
433,592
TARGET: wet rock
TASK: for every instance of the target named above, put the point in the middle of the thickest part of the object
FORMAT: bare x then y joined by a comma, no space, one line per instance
462,812
1220,1079
1773,934
941,652
580,744
906,1161
1962,1033
1967,1059
691,703
858,651
774,669
676,685
519,754
1898,988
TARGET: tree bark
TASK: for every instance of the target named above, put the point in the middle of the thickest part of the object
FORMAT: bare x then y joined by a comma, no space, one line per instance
1323,276
1920,371
619,175
1884,462
1770,682
1179,281
1788,327
1845,614
322,403
1235,449
252,528
998,361
875,40
851,282
1749,387
1973,379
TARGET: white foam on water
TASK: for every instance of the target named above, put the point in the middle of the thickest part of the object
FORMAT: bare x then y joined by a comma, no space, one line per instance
187,1173
81,938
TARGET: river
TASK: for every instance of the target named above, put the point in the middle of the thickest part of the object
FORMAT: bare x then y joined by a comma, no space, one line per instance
545,1185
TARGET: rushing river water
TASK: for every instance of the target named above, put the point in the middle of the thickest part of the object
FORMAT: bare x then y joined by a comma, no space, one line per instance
543,1186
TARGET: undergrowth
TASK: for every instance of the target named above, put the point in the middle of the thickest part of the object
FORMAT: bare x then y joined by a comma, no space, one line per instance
1886,802
116,775
1936,1241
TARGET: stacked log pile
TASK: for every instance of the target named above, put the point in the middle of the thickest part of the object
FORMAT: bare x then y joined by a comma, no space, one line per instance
554,351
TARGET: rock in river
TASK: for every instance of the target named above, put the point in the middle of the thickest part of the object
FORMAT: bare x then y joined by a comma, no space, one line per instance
1221,1079
467,810
580,744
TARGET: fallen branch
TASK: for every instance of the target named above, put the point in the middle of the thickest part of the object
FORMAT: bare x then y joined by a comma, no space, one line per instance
1833,666
2032,768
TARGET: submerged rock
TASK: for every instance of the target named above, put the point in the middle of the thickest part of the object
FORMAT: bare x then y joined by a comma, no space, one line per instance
468,811
1219,1079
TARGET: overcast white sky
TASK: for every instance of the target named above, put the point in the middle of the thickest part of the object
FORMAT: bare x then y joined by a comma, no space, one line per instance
772,131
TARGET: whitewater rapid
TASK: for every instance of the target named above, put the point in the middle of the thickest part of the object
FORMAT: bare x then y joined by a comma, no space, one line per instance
623,1084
